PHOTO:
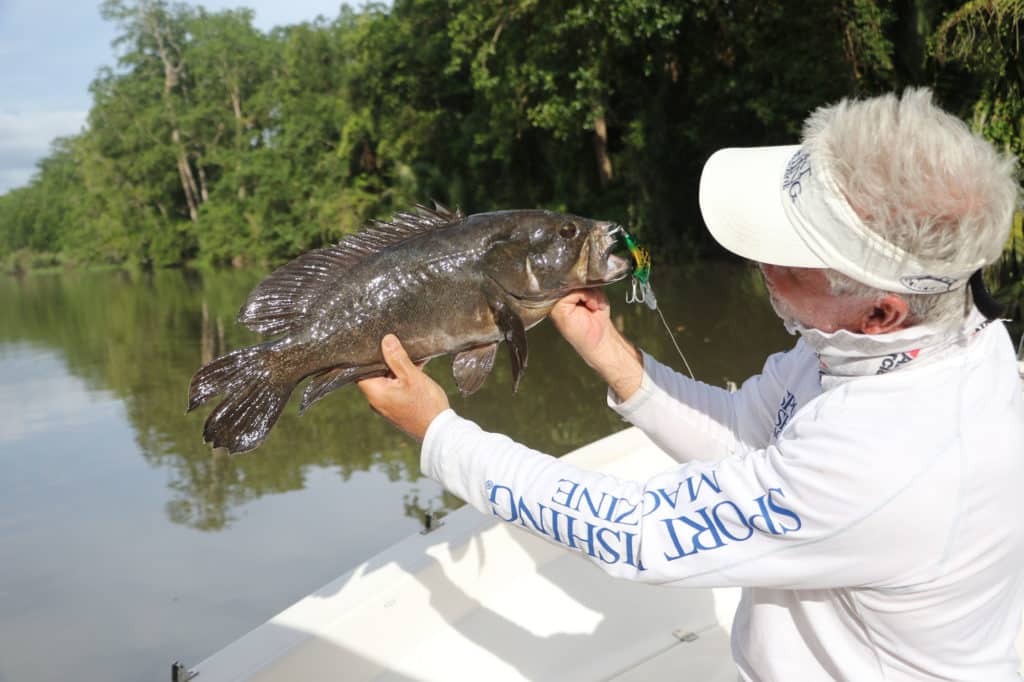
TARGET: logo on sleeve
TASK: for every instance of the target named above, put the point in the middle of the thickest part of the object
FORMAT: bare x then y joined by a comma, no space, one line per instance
689,515
785,412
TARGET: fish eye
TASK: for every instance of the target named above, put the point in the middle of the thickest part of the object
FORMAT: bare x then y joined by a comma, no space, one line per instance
568,231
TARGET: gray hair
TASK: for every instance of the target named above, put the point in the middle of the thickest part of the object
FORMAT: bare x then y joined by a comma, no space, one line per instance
921,179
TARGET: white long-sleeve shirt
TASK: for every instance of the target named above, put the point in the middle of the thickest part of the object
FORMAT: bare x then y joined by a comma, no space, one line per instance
876,523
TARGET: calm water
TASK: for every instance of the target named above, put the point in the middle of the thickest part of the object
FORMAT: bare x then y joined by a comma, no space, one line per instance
126,544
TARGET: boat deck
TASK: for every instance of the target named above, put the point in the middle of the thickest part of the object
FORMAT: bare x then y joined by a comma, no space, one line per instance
479,599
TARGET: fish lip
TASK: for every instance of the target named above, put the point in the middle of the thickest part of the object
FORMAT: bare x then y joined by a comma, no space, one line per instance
614,268
622,269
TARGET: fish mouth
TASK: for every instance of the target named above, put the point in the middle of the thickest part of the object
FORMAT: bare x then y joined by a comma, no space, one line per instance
597,266
603,266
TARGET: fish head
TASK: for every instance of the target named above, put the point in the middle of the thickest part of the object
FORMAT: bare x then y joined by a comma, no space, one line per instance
546,254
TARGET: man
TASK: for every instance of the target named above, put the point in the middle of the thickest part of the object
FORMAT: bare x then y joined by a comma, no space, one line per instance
865,486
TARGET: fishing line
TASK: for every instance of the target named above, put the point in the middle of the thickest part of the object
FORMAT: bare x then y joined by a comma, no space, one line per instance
641,291
672,337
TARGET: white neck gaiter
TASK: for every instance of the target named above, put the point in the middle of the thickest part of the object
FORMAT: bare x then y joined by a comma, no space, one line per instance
843,355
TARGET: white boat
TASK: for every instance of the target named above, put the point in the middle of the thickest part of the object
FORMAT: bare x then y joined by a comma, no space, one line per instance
478,599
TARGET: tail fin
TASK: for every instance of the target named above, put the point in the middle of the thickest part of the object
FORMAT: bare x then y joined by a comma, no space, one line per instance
255,398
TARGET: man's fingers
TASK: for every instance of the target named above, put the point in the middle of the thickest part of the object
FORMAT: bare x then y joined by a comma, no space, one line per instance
573,297
591,298
395,356
595,299
372,385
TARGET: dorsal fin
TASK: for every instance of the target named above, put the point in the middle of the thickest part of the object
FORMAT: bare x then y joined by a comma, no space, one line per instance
281,301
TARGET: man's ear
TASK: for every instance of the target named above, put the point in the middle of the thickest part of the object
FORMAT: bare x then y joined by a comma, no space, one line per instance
888,314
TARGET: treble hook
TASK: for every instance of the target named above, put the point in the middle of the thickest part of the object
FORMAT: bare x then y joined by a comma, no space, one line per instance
633,296
641,292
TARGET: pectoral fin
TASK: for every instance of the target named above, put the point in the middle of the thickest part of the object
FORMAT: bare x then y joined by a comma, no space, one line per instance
511,327
472,366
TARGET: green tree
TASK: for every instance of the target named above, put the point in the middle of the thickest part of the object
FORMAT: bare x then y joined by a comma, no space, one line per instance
984,38
214,142
231,66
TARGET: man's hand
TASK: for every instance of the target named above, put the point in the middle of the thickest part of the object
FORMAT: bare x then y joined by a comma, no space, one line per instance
410,400
584,319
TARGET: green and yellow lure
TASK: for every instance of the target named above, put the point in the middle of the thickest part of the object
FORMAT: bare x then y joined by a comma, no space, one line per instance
641,291
641,283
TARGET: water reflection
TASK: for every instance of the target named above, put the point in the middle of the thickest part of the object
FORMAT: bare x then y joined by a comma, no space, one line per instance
139,337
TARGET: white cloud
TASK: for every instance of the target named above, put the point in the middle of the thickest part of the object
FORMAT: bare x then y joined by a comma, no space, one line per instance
14,177
35,129
52,49
25,138
38,395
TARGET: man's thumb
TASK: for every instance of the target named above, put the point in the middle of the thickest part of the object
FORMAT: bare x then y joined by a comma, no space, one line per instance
395,356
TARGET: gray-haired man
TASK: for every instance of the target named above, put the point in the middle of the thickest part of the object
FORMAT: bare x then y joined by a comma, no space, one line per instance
865,486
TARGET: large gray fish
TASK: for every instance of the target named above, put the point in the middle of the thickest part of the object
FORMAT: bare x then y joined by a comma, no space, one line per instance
443,282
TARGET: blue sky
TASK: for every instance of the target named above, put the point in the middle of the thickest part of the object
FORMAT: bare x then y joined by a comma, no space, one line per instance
50,50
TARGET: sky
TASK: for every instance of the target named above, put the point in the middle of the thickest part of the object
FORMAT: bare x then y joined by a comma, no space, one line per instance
50,50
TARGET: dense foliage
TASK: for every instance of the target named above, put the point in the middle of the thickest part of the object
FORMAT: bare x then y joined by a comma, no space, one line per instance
213,142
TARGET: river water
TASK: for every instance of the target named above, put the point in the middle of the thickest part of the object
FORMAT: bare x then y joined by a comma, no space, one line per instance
126,544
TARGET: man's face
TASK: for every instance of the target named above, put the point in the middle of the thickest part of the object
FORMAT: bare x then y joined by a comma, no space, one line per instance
804,295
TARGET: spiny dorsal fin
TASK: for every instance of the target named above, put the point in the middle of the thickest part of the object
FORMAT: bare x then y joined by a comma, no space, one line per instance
281,301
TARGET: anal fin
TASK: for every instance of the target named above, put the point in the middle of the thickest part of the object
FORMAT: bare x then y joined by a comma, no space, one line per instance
333,379
472,366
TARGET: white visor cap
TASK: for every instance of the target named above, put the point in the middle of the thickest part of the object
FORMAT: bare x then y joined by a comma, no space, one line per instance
781,206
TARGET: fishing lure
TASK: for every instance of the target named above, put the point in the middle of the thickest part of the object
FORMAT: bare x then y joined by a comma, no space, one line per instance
641,291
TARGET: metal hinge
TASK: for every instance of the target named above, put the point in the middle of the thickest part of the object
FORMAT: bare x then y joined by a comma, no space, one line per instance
685,635
180,673
431,522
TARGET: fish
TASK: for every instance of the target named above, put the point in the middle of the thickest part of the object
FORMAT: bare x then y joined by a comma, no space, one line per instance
442,281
